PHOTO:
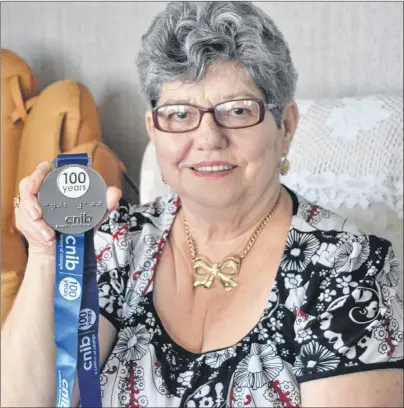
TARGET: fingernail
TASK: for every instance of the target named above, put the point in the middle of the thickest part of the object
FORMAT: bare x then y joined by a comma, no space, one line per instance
45,234
34,213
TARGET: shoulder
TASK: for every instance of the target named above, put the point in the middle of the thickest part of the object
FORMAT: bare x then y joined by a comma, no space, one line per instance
335,261
342,285
311,217
334,242
334,236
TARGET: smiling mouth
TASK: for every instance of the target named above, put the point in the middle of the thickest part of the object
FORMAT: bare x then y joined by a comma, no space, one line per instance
213,169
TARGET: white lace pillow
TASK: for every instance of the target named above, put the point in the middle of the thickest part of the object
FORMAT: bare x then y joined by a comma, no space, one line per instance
347,155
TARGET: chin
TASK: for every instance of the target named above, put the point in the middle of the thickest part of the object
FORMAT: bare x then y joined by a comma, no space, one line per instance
212,198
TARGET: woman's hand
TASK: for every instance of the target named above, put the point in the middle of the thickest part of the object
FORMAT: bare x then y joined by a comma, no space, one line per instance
41,237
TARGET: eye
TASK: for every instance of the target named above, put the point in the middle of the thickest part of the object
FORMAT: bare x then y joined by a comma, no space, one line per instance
179,115
239,111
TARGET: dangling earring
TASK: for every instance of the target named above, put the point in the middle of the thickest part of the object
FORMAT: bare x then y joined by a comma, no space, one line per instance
285,166
164,180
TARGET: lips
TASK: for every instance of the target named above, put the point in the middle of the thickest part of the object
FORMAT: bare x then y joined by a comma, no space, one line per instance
212,170
212,167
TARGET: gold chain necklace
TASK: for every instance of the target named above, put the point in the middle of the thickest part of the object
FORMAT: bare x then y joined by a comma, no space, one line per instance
210,271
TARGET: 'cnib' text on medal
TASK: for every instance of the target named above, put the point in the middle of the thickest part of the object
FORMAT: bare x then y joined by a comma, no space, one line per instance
83,218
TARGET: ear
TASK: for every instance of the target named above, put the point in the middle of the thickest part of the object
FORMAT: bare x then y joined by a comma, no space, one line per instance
149,125
289,125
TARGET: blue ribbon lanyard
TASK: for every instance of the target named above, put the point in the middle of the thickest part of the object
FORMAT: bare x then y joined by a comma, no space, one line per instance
76,312
88,359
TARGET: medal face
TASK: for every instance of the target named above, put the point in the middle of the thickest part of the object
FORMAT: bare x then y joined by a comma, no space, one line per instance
73,199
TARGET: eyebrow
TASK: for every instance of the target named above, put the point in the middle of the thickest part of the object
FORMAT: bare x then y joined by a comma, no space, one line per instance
225,98
176,101
248,95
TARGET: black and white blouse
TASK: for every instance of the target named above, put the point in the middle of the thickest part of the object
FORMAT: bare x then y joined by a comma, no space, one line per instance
333,309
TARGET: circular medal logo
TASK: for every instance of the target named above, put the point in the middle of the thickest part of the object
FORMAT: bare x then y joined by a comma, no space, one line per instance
70,288
73,199
86,319
73,182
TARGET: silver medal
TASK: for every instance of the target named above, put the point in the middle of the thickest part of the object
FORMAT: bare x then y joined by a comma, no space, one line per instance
73,199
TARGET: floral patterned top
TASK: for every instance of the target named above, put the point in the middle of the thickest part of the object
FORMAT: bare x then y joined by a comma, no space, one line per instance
333,310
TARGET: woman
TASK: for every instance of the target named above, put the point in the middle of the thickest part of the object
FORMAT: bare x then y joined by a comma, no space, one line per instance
234,290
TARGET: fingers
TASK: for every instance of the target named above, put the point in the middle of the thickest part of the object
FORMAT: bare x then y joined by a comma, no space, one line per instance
29,214
29,188
28,204
114,194
37,233
38,176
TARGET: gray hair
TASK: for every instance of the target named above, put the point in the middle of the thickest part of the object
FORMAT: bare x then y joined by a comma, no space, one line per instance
187,37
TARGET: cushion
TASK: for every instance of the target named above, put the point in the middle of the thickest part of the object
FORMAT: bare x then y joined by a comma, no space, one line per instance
17,89
17,86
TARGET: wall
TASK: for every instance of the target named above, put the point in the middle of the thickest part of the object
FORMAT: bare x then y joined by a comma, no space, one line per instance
338,48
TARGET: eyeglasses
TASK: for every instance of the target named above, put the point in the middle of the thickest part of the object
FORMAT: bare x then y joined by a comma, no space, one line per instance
236,114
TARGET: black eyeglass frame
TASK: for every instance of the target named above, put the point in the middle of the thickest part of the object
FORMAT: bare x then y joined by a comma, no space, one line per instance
262,109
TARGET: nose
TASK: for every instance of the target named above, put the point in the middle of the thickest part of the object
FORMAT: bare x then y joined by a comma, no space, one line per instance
209,135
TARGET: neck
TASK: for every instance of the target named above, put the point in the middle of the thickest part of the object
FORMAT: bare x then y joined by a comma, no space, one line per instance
228,228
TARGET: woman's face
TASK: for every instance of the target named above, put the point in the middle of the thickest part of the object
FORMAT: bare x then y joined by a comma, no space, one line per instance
253,154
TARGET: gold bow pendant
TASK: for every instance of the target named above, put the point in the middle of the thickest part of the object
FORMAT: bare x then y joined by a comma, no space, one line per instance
205,279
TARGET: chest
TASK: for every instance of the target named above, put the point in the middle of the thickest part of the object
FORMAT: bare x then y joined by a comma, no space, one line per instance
155,369
204,319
